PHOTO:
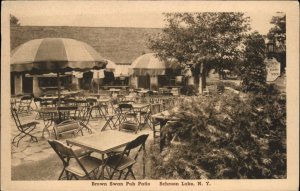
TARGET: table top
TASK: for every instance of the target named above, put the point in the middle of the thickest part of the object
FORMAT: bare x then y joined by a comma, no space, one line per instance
70,92
54,109
143,91
114,90
140,105
164,114
103,142
103,100
49,97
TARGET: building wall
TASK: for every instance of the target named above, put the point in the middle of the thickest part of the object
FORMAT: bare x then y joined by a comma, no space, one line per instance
120,45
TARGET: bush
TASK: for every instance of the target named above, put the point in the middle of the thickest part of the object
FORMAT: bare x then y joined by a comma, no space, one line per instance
154,87
232,85
220,87
189,90
226,137
253,71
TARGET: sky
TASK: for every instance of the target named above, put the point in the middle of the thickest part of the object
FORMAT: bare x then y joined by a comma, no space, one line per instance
127,13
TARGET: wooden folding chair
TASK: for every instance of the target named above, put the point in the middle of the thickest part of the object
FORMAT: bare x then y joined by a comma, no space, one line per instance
77,163
122,162
25,105
25,129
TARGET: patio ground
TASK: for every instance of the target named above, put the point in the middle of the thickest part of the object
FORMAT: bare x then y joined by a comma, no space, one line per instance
38,161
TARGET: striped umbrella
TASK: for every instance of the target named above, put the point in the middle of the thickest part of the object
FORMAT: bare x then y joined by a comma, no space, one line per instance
111,66
148,64
57,55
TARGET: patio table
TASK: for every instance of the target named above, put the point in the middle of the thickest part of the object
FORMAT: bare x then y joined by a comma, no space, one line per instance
163,117
51,113
138,107
103,143
129,98
70,93
101,102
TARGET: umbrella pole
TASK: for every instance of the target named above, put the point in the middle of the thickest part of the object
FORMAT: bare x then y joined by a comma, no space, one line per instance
58,86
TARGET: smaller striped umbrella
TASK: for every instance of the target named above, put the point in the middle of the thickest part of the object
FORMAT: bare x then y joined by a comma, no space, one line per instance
148,64
111,66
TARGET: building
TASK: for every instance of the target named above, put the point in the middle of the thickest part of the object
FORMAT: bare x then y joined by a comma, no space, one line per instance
120,45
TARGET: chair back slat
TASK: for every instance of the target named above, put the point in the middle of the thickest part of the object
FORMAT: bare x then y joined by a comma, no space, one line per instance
139,141
60,148
16,117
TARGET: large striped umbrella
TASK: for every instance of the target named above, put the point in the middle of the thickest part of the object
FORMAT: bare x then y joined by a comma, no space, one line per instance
54,55
148,64
57,55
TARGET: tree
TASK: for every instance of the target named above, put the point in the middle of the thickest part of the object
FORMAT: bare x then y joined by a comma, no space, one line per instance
253,71
14,21
277,34
201,41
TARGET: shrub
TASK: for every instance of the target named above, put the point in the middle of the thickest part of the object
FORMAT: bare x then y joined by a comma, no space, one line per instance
189,90
253,71
154,87
226,137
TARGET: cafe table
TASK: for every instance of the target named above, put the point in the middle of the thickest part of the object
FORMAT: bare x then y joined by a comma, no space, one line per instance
103,104
163,117
139,108
104,142
49,114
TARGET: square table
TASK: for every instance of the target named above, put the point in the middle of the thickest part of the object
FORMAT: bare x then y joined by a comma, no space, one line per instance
139,107
49,114
103,143
163,117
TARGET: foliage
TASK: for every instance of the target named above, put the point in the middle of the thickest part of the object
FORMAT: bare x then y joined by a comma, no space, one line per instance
211,39
232,85
226,137
14,21
220,87
278,32
253,71
154,87
189,90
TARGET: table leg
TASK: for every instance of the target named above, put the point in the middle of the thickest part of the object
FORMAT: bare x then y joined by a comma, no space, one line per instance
162,138
102,167
144,166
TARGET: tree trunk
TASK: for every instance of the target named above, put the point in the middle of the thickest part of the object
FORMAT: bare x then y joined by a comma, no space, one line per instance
202,78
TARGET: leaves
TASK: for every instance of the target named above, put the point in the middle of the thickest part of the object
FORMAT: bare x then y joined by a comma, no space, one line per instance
251,143
207,37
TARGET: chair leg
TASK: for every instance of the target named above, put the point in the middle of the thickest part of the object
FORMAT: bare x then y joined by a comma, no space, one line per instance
68,176
62,172
75,177
121,172
129,171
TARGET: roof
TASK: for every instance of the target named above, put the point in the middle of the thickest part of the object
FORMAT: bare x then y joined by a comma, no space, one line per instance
120,45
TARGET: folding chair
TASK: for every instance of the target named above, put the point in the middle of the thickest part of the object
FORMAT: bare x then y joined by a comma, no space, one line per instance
146,115
66,127
155,108
121,162
109,121
127,113
77,162
24,129
93,103
84,116
25,105
129,126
